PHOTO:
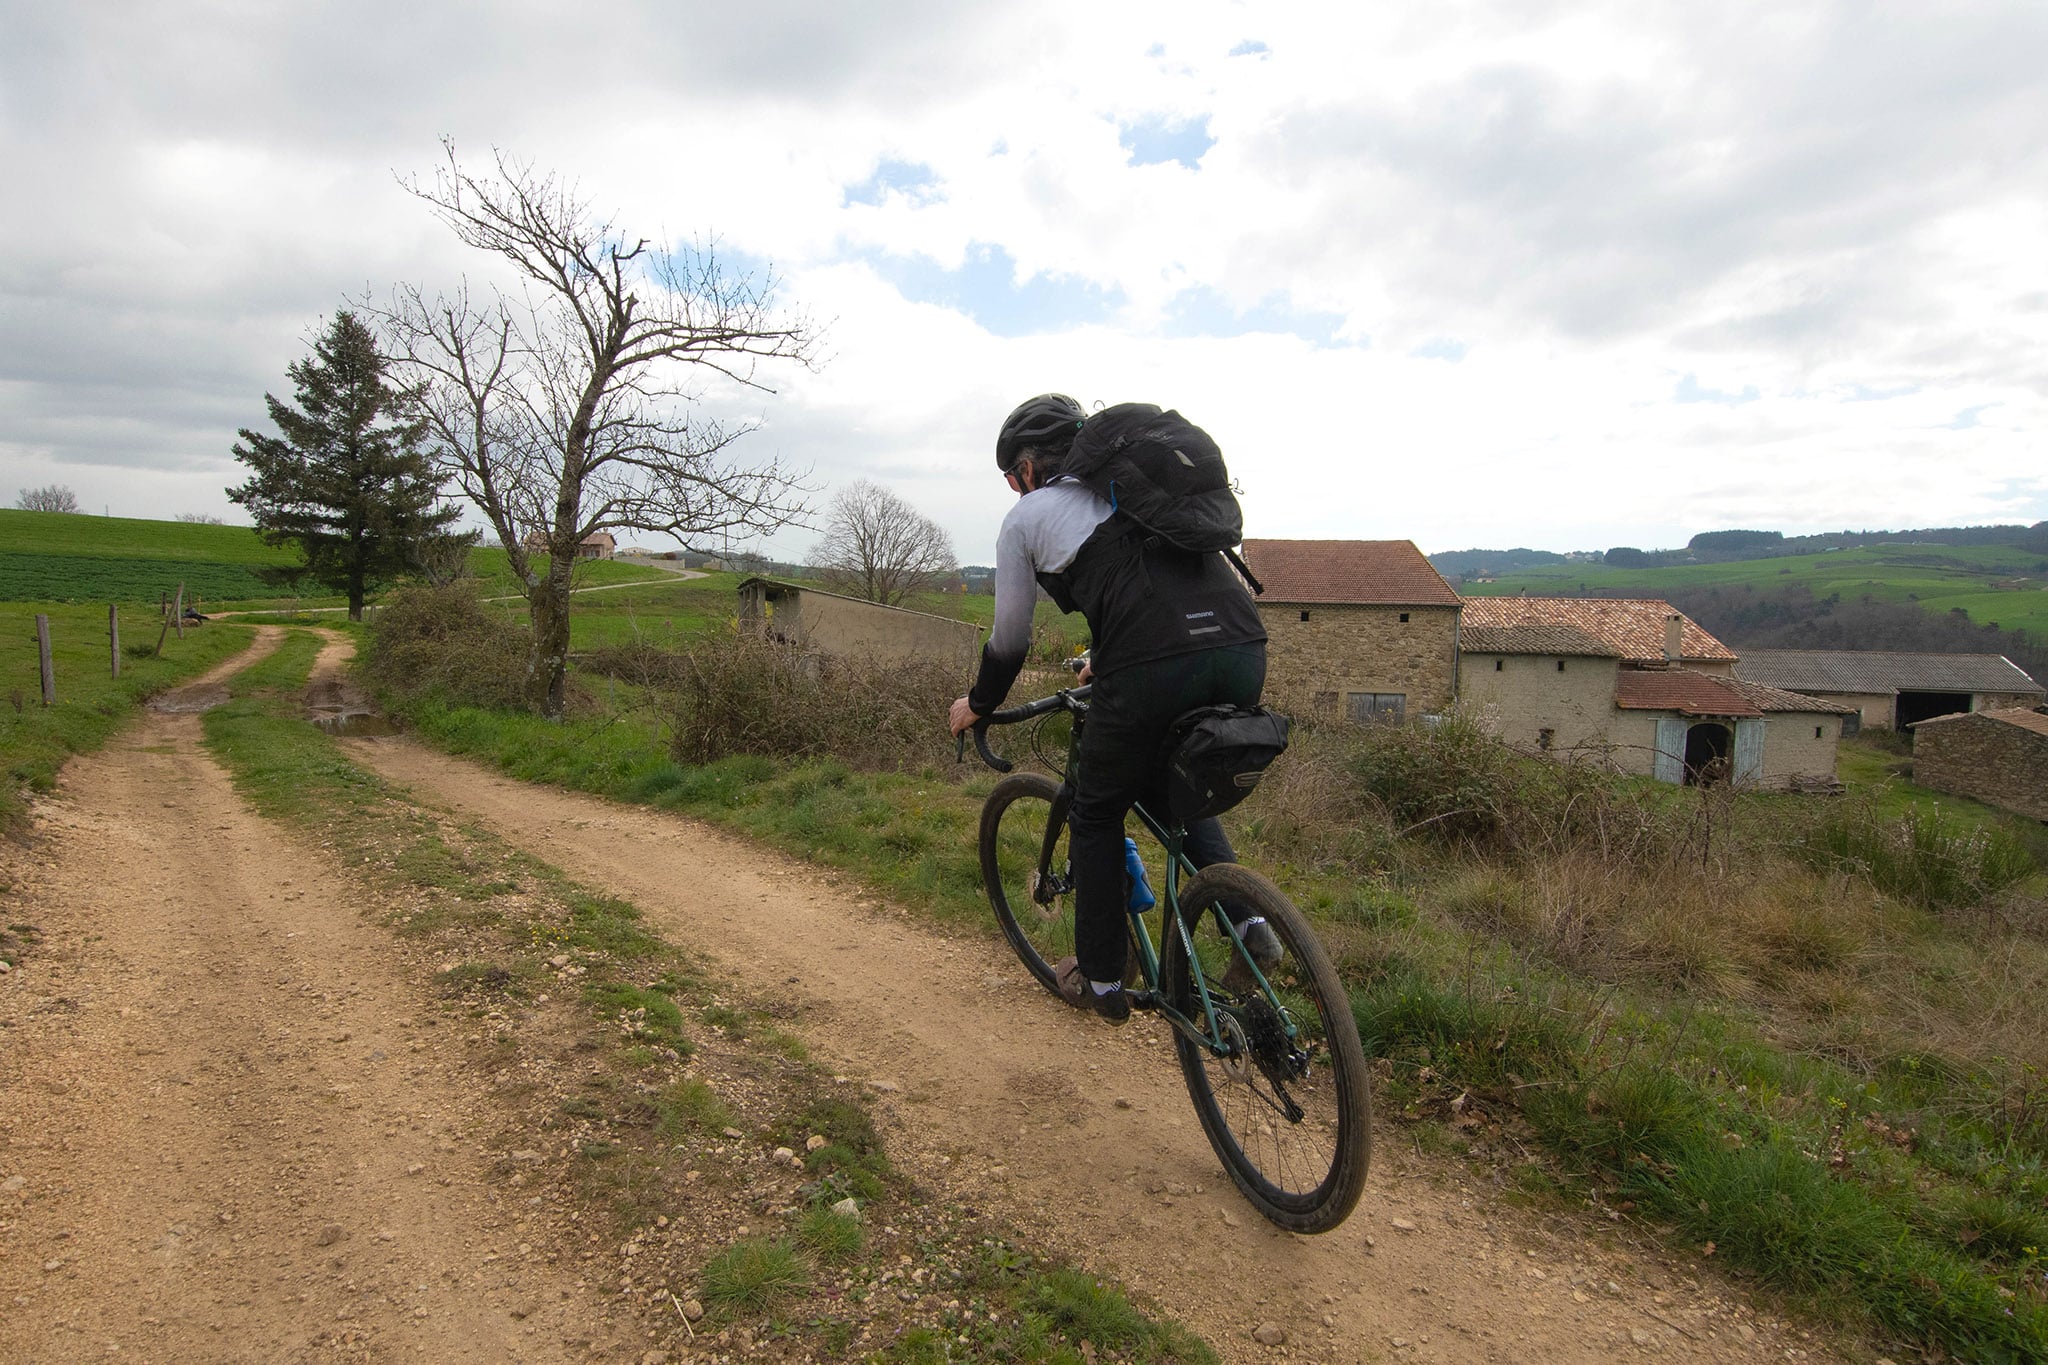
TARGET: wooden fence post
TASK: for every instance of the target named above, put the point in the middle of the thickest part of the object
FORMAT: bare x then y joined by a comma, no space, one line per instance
43,653
178,611
114,636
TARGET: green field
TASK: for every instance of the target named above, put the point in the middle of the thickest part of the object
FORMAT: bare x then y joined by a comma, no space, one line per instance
1938,577
65,557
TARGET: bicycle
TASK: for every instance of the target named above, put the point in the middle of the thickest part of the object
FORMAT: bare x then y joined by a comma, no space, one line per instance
1272,1059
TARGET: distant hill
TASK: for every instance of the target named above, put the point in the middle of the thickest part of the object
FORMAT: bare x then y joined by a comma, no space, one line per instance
1456,564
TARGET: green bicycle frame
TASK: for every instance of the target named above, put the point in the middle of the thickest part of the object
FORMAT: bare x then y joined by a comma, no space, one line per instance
1208,1032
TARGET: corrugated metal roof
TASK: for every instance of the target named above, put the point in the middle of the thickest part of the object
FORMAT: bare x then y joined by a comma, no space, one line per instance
1390,573
2026,718
1564,641
1875,671
1632,627
1681,690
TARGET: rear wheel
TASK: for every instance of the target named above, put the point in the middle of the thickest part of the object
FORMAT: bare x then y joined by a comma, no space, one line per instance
1035,908
1289,1114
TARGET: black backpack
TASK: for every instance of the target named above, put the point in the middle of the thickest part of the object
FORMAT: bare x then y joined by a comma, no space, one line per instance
1163,473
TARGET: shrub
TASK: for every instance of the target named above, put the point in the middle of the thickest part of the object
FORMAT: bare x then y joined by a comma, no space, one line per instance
443,644
1920,857
736,693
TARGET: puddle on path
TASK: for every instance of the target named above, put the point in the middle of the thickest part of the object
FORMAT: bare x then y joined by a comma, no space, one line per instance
186,701
351,723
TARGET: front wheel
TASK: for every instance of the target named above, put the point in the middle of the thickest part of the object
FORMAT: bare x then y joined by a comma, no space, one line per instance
1024,866
1286,1104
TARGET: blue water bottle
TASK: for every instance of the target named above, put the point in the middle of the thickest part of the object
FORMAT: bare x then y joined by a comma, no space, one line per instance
1142,898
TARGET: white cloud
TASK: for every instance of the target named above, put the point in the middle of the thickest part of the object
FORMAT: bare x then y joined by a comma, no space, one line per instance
1815,202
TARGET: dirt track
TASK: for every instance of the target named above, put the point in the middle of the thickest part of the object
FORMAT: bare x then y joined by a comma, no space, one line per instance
236,1135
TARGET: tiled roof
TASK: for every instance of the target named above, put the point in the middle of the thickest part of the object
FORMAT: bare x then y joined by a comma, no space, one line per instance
1871,670
1680,690
2027,718
1766,698
1389,573
1632,627
1565,641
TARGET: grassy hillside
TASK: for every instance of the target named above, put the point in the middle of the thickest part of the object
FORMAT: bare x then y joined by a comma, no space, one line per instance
1997,584
65,557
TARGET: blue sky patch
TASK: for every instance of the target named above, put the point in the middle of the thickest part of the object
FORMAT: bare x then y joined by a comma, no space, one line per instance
1250,47
984,288
1967,418
912,179
1859,394
1440,348
1204,312
1155,140
1689,391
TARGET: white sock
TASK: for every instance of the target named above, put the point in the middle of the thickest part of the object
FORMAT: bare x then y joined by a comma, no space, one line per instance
1105,987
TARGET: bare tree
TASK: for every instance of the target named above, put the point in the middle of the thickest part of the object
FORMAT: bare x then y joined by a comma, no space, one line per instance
879,547
201,518
49,498
570,407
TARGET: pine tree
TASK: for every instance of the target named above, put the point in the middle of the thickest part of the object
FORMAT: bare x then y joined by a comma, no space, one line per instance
347,481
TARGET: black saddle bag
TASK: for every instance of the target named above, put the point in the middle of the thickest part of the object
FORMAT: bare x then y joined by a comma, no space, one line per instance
1215,755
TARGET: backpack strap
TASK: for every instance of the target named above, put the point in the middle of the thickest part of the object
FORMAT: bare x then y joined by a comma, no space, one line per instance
1258,588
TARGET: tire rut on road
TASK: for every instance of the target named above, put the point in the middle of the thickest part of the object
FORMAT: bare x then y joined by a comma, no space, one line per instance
231,1126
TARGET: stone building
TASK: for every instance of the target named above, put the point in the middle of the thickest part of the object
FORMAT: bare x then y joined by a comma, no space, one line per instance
1997,757
1636,686
1896,690
832,623
1366,628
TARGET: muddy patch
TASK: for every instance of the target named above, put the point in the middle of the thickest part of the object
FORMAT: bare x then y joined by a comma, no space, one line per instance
188,701
338,706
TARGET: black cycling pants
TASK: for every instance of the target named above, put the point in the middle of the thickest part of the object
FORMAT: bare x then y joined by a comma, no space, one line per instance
1121,762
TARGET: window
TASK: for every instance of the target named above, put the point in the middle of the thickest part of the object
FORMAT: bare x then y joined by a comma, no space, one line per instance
1304,616
1817,732
1560,665
1545,738
1377,706
1499,664
1404,618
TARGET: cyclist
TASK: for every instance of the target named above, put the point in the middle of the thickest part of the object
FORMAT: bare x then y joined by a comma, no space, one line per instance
1170,630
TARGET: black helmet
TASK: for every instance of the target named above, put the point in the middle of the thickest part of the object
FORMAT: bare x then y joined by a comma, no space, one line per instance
1047,422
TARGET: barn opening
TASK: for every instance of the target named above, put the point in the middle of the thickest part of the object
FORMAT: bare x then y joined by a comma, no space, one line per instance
1707,749
1914,707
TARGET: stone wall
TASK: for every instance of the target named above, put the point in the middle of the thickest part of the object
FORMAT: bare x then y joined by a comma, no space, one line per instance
839,625
1796,756
1347,649
1992,761
1519,696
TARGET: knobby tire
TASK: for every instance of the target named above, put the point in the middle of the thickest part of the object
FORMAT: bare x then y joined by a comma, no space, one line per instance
1305,1175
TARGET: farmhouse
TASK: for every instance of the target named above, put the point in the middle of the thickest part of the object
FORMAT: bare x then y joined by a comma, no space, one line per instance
832,623
596,545
1634,684
1896,690
1367,628
1998,757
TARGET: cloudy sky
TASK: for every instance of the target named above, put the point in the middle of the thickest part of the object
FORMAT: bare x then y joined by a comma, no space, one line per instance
1564,275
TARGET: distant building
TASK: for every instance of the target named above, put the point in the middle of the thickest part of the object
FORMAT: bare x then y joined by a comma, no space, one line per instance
1997,757
832,623
1893,690
1367,628
1636,685
596,545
